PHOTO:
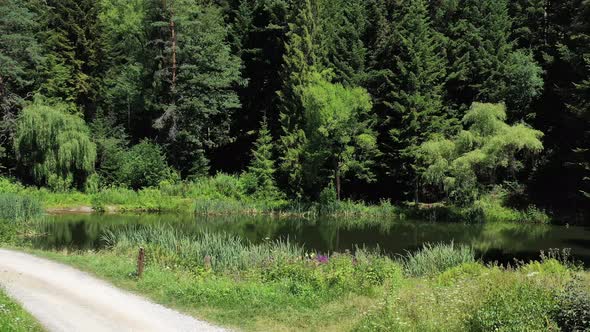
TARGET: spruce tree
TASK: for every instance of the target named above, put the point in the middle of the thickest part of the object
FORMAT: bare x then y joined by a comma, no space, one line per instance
72,72
410,71
20,54
483,59
343,25
201,75
302,57
261,170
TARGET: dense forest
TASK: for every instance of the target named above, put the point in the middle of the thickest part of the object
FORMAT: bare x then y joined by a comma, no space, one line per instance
406,100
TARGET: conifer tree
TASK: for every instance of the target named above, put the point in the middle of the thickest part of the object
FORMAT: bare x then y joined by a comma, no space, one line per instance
73,72
20,54
343,25
483,59
411,68
198,76
261,170
302,57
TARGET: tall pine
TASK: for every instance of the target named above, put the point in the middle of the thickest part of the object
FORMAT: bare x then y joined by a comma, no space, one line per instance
409,71
302,57
73,70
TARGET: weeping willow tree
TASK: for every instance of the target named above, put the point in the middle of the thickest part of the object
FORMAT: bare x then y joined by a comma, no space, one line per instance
53,147
487,151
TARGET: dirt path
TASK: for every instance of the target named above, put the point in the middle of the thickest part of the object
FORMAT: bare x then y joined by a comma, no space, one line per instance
65,299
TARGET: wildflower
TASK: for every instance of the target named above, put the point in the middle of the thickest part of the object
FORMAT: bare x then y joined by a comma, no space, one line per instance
322,259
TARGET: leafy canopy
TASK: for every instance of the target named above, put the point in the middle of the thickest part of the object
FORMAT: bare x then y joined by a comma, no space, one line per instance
338,127
53,147
463,164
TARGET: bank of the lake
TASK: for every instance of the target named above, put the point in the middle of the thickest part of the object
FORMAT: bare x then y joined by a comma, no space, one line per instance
279,284
269,287
225,195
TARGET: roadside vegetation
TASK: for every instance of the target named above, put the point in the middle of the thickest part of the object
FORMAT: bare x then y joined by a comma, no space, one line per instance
14,319
279,286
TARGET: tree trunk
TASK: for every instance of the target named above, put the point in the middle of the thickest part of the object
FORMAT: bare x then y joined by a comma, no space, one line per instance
337,179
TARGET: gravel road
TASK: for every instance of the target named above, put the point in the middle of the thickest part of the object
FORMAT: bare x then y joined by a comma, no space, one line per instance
65,299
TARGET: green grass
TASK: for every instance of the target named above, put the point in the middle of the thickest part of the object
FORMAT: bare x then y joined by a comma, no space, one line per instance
226,195
14,319
280,287
434,259
466,297
18,207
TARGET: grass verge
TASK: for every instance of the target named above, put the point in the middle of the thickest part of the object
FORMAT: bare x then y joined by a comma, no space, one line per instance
273,288
14,319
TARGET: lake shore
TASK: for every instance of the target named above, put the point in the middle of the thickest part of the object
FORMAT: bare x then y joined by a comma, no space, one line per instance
373,294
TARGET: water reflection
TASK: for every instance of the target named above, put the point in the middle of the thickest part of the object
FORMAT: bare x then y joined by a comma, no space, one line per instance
493,241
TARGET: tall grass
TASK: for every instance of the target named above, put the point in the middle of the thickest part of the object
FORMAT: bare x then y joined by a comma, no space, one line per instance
169,246
434,259
19,208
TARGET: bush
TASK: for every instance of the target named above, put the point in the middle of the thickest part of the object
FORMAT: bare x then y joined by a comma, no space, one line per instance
144,165
517,306
434,259
573,309
463,271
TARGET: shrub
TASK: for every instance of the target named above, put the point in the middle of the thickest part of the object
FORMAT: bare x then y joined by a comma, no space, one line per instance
573,309
517,306
463,271
144,165
547,267
434,259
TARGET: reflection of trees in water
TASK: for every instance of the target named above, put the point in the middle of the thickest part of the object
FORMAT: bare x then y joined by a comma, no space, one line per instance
324,235
509,237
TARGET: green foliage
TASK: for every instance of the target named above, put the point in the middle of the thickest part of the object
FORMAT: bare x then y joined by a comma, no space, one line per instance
14,318
111,143
434,259
144,165
338,131
516,307
408,76
463,165
201,73
259,179
572,312
484,64
53,148
72,71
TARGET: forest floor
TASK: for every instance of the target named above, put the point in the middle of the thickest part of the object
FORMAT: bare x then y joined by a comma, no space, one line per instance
65,299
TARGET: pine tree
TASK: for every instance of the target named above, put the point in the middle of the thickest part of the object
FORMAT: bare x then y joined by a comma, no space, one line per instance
302,57
257,35
73,71
483,57
125,42
20,54
261,170
579,101
343,25
200,75
410,71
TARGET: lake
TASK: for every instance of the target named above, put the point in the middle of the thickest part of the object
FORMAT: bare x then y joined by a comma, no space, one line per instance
502,242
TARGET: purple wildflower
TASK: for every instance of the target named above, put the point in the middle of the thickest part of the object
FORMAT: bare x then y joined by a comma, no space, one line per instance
322,259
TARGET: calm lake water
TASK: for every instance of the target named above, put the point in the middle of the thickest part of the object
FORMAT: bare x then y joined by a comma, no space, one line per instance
493,242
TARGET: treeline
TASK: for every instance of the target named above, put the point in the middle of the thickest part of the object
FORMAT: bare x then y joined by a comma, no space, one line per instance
405,100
